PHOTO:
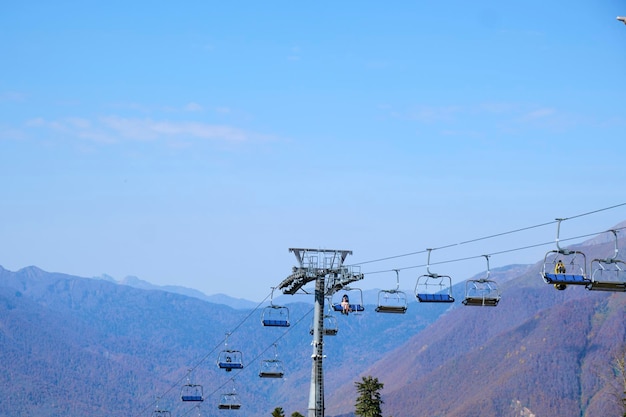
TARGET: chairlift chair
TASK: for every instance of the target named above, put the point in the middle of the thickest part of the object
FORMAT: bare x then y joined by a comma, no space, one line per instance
433,288
563,267
275,315
482,292
160,413
355,297
192,392
229,401
392,301
331,327
272,368
229,359
608,274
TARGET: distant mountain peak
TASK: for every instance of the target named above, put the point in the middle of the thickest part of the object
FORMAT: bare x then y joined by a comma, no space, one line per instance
136,282
31,271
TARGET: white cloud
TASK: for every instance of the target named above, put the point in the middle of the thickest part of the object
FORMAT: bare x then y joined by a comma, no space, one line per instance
506,116
115,129
148,129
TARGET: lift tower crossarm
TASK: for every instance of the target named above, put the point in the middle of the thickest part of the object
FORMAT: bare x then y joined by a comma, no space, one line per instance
310,267
342,280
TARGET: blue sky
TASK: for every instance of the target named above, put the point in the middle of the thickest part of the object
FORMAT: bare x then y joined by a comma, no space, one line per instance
192,143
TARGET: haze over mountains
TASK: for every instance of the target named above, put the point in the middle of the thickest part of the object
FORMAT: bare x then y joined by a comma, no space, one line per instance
135,282
74,346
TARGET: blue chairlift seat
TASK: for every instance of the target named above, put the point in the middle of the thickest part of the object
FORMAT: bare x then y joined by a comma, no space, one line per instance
192,392
192,398
353,307
435,298
229,360
275,316
230,365
275,323
570,279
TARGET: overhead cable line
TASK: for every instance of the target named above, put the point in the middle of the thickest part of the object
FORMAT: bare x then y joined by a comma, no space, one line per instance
488,254
178,382
265,350
489,236
256,358
203,359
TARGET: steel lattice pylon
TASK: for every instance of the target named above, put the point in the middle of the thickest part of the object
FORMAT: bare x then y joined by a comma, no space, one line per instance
316,265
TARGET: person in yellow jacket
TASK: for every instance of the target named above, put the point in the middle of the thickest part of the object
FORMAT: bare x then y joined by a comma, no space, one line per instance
559,268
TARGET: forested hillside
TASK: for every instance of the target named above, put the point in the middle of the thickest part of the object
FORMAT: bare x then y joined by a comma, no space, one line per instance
74,346
548,352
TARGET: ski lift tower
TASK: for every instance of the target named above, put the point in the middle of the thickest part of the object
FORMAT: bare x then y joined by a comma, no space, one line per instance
316,265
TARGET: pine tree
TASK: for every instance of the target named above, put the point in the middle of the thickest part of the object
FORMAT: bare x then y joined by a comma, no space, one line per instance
368,404
278,412
296,414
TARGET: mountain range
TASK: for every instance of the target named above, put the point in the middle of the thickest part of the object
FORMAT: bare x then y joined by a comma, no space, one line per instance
73,346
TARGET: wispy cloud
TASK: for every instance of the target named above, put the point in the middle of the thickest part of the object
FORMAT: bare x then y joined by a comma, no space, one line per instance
115,129
503,116
147,129
190,107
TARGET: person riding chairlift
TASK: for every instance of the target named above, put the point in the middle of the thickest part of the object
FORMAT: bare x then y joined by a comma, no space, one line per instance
559,268
345,304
